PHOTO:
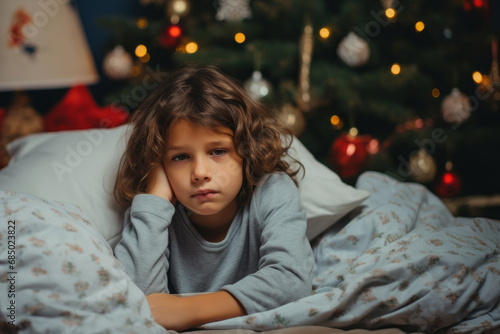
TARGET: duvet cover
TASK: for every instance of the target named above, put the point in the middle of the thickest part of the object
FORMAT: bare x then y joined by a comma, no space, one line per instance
400,260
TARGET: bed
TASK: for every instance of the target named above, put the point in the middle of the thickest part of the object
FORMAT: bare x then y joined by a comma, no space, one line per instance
390,258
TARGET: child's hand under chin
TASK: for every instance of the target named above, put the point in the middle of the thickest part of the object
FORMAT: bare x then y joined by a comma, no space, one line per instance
159,185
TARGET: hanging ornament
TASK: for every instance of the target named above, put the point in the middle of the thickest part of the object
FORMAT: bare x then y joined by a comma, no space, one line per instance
456,107
353,50
233,10
422,167
349,153
490,85
477,5
170,36
177,8
293,119
305,49
450,183
257,87
117,63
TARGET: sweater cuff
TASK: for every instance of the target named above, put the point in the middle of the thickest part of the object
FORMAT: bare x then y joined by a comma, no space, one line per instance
152,204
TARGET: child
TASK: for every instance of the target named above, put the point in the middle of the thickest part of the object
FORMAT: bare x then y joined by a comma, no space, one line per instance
214,209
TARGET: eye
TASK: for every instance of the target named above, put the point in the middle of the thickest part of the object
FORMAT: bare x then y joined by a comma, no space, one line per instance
219,152
180,157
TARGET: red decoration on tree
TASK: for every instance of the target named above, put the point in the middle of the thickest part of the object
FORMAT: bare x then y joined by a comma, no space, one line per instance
170,36
449,185
476,5
78,111
348,154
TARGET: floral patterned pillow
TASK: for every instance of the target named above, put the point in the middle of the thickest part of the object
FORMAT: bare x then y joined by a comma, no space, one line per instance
60,274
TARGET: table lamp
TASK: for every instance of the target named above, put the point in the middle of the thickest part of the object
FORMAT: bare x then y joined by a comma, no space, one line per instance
42,46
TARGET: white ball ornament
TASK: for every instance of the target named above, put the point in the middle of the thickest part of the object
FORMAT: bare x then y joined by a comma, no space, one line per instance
257,87
456,107
353,50
423,167
117,63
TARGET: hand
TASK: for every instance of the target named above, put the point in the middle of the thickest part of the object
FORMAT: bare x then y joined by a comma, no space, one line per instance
171,311
159,185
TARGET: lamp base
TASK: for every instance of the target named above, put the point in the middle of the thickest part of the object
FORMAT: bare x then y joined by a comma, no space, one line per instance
20,120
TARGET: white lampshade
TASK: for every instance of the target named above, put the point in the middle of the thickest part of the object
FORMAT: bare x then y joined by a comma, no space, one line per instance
42,45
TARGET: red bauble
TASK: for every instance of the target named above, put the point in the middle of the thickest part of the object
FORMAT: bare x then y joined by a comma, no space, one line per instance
449,185
170,36
78,111
470,5
349,154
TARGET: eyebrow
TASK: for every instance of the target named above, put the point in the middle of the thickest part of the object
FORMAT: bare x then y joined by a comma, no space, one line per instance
213,143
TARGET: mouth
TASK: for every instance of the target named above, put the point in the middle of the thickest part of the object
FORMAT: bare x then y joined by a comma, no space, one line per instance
204,194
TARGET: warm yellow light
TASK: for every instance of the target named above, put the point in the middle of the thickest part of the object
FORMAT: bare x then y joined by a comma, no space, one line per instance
353,132
239,37
141,50
436,92
477,77
390,13
191,47
145,58
335,120
142,23
396,69
324,32
419,26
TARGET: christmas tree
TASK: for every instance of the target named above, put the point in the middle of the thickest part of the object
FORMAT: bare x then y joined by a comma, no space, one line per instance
407,88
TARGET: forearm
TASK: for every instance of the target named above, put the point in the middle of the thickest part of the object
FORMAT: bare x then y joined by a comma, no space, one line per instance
180,313
215,306
143,248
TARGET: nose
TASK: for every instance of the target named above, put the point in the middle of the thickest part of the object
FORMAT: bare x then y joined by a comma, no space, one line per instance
201,170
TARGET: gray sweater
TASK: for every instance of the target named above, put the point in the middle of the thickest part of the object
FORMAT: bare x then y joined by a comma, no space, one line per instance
264,261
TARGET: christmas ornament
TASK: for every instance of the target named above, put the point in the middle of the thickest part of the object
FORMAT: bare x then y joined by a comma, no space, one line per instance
449,185
348,154
353,50
257,87
293,119
305,49
490,85
476,5
117,63
170,36
177,8
78,111
233,10
422,167
456,107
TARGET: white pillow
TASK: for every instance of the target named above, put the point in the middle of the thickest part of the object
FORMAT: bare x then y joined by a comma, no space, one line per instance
323,195
80,167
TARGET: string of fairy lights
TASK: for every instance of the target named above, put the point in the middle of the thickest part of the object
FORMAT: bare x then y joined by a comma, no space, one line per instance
352,49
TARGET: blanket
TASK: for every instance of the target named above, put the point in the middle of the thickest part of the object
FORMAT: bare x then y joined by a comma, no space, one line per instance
400,260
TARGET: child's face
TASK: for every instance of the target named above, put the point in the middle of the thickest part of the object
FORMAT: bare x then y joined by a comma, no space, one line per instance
204,171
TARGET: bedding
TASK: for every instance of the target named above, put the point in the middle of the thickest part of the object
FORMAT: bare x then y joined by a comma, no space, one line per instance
393,262
398,263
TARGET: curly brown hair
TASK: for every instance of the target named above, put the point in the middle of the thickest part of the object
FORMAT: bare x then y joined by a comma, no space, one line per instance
207,97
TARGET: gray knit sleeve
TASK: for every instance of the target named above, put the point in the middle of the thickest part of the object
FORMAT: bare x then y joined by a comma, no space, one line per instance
143,249
286,265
